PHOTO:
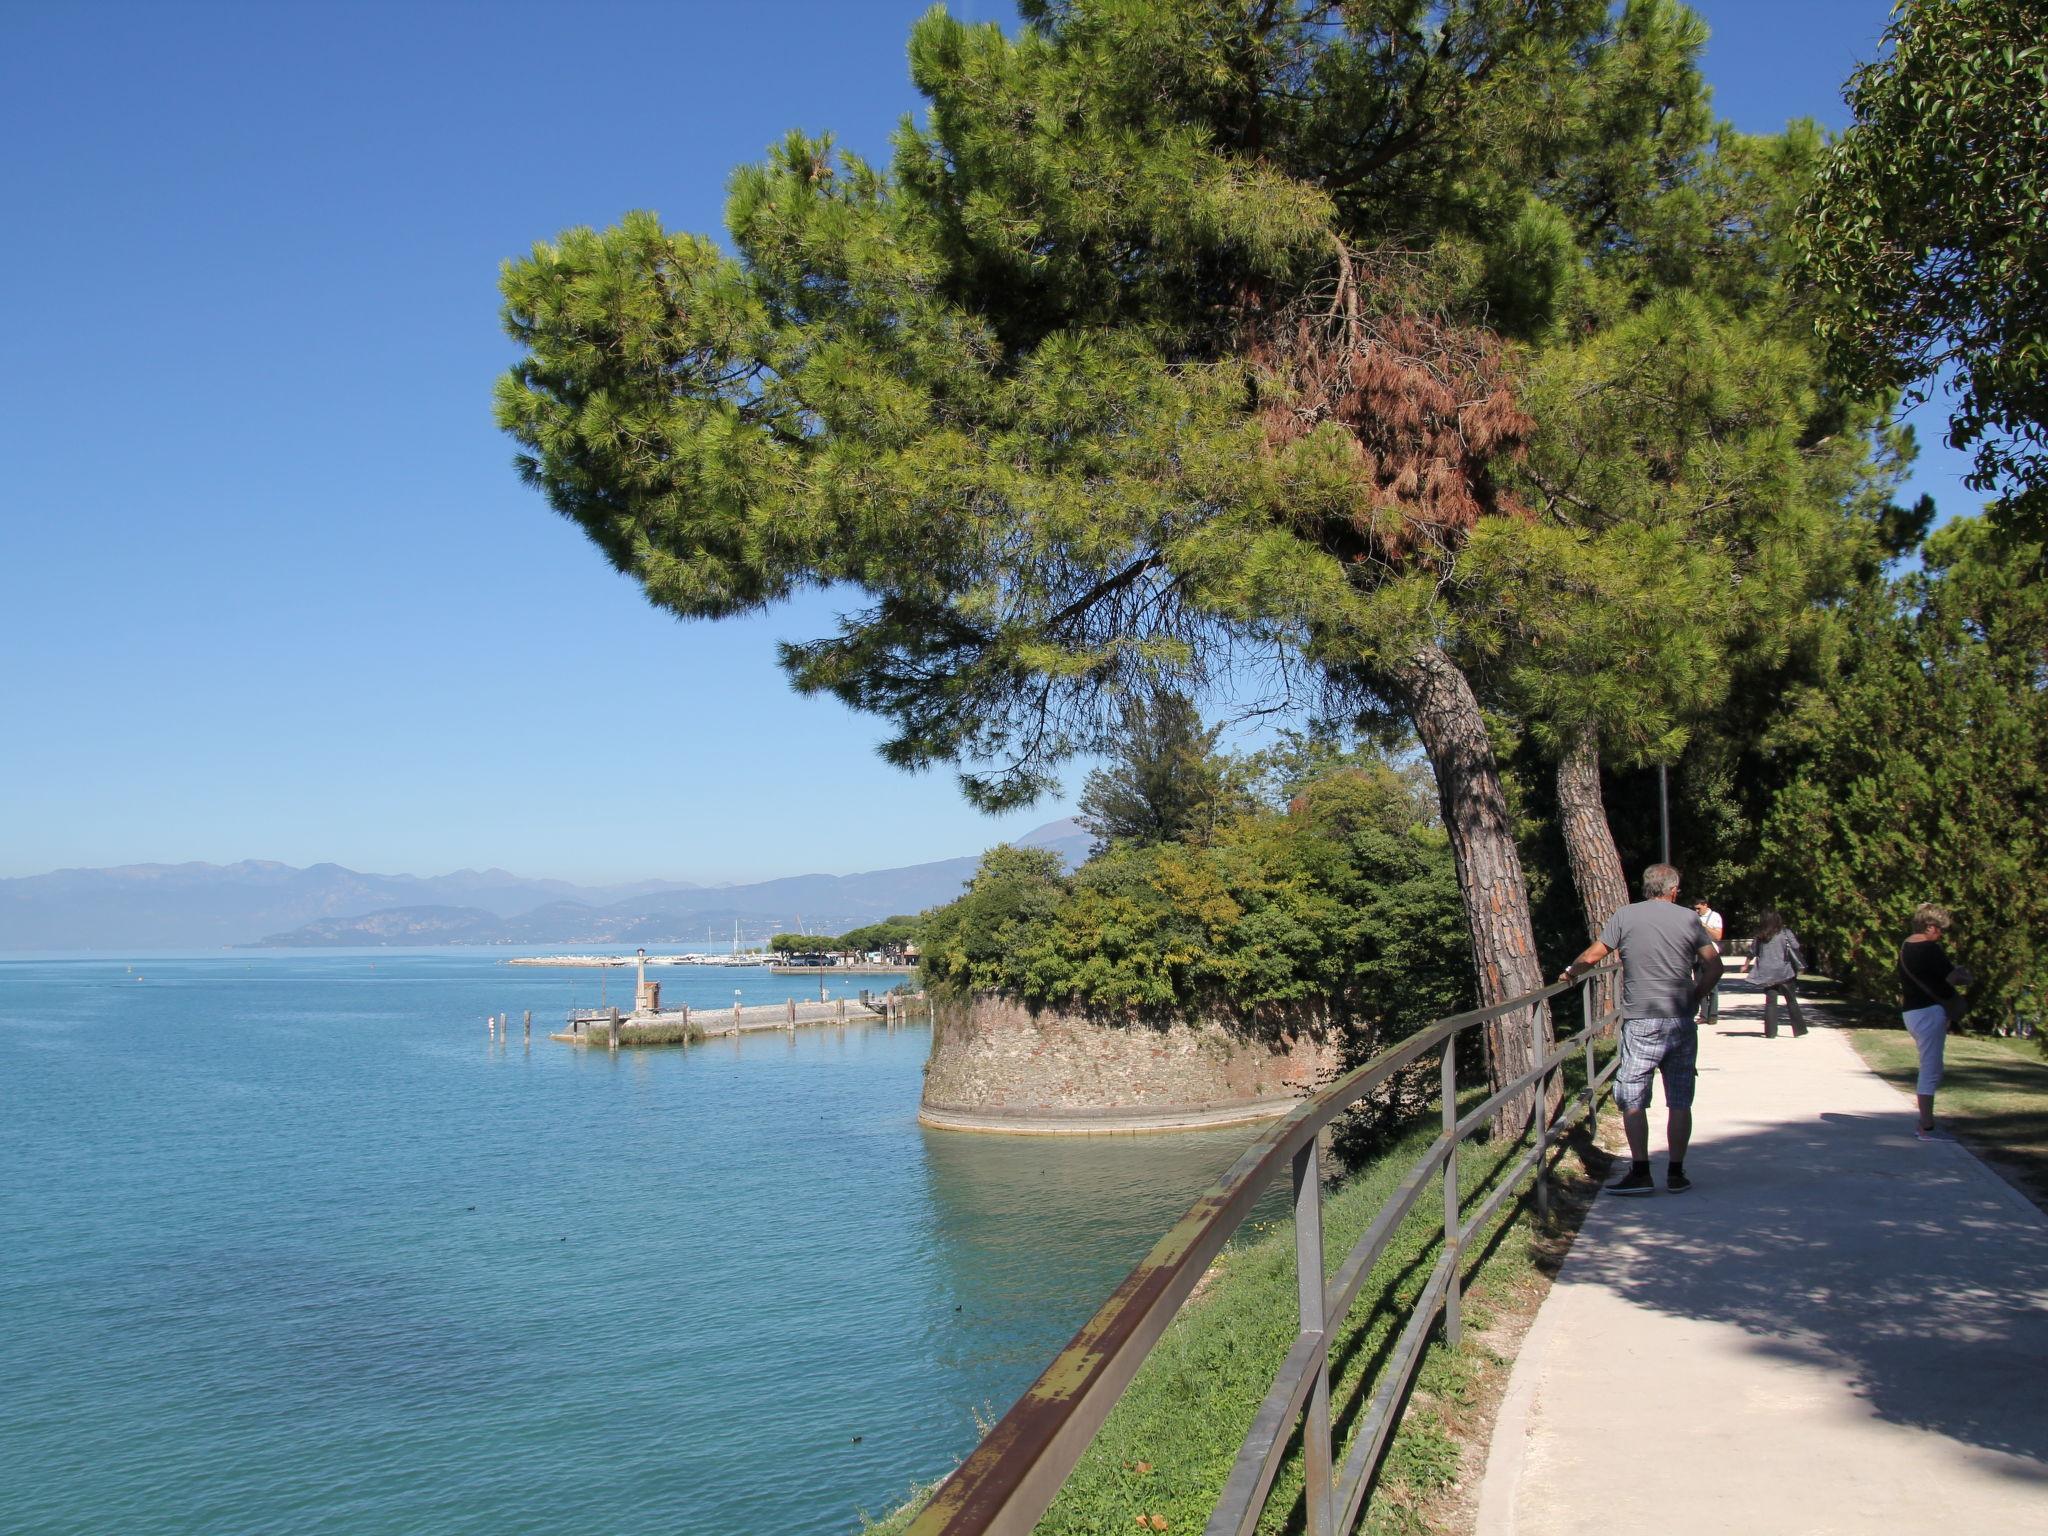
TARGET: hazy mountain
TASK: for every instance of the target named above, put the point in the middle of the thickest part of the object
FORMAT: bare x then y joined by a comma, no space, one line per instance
181,906
186,906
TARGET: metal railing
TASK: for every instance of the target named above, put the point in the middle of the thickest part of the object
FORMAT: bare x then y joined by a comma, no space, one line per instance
1008,1481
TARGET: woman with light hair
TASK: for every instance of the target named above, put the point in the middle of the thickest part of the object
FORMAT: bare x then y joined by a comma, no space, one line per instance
1932,1001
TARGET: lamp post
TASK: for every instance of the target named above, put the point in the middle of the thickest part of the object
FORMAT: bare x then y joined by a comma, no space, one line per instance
1663,815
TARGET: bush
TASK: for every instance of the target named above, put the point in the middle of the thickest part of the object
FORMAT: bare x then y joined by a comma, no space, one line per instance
1340,913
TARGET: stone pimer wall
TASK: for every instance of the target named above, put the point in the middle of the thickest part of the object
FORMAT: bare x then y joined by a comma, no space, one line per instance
995,1065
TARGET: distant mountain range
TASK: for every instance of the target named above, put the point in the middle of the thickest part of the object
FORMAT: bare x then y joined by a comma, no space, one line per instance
259,903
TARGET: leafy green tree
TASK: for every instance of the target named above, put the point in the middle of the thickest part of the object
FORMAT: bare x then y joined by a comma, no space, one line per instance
968,942
1157,348
1925,775
803,944
892,935
1697,489
1928,232
1164,783
1337,916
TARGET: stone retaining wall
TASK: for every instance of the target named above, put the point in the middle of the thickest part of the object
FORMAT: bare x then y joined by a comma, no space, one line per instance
996,1066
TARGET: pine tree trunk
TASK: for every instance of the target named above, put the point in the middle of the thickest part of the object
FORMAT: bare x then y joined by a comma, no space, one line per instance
1588,841
1440,703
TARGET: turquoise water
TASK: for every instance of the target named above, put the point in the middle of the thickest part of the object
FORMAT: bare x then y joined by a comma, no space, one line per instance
287,1244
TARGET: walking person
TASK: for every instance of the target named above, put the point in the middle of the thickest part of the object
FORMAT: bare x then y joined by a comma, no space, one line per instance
1775,965
1930,981
1710,1008
1668,965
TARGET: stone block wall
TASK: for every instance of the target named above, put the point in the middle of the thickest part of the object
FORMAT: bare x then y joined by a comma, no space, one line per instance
995,1065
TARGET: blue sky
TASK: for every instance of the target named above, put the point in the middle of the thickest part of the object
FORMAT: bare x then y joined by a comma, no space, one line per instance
268,586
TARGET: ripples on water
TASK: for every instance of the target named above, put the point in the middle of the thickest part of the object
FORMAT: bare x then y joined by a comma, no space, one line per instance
287,1244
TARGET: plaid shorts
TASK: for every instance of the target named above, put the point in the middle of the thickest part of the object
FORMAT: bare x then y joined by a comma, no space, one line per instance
1650,1046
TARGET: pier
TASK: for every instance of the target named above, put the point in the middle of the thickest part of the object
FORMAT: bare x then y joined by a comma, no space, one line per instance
650,1024
592,1026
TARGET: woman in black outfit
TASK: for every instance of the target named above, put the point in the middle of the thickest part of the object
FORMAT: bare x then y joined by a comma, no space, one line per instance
1929,979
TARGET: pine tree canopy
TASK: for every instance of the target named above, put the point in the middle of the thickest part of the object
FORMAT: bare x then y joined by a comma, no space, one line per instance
1178,334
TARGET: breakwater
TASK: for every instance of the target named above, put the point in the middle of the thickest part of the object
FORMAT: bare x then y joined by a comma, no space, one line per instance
597,1026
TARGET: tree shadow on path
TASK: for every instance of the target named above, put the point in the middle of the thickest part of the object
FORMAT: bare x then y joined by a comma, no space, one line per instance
1839,1242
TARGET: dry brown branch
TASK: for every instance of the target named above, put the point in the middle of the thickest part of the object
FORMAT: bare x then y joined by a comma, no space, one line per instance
1427,403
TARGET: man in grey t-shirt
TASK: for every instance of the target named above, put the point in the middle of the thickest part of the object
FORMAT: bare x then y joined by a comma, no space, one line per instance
1668,966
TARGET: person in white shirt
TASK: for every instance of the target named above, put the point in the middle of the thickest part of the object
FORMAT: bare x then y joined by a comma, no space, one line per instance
1710,1010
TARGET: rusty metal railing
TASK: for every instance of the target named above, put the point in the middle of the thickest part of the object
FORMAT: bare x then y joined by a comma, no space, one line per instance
1008,1481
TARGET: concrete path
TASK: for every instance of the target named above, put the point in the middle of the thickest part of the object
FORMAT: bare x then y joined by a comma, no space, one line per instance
1838,1329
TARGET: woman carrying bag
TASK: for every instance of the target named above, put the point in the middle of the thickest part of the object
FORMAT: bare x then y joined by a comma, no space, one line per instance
1929,979
1775,965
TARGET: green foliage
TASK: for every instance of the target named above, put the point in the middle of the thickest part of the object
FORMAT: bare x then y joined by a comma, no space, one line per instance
893,933
1009,389
1699,488
1925,776
1165,782
1928,232
1344,909
804,944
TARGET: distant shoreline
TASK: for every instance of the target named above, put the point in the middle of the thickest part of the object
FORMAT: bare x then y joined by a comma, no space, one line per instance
613,962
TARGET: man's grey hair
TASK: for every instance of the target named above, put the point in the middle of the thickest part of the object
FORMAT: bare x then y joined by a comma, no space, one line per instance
1659,880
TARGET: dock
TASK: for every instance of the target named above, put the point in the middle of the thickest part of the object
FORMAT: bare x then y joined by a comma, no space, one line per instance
593,1026
862,969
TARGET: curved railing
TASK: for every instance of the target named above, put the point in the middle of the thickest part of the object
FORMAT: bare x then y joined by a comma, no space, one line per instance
1012,1476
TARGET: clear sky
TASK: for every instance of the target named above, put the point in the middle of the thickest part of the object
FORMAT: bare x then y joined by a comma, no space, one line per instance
268,585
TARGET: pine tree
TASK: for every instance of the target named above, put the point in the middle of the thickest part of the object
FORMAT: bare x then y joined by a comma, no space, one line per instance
1165,783
1160,347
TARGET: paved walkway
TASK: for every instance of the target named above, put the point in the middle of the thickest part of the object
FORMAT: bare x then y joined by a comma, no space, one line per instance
1838,1329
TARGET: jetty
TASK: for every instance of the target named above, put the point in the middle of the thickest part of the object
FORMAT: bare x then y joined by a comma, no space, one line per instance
855,968
650,1024
619,962
600,1026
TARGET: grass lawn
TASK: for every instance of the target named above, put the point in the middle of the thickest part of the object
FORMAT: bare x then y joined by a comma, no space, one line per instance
1994,1095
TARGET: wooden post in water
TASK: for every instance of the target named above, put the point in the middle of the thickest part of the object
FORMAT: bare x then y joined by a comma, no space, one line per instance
842,1010
615,1029
529,1026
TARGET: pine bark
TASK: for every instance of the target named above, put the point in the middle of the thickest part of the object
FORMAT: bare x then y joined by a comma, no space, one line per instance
1440,703
1588,840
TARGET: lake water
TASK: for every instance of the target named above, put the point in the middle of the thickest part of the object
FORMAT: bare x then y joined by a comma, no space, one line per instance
286,1243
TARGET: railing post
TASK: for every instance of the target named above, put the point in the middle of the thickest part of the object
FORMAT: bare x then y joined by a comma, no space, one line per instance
1310,1288
1592,1069
1542,1118
1454,1321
